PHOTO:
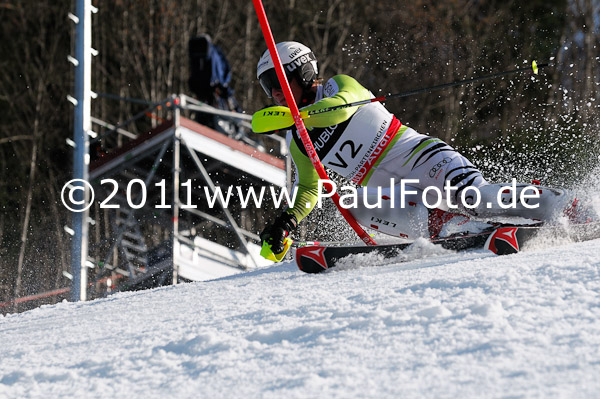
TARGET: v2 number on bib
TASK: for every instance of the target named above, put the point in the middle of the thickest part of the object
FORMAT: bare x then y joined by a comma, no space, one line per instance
353,153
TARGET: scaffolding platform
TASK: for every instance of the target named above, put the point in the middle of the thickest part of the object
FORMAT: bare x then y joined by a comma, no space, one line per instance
158,218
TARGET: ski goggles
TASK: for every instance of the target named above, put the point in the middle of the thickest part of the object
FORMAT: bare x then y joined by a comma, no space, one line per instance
268,80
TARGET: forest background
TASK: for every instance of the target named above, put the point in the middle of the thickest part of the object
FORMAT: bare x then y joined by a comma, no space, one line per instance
522,126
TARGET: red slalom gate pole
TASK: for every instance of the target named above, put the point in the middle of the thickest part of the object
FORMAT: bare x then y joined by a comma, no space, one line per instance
310,149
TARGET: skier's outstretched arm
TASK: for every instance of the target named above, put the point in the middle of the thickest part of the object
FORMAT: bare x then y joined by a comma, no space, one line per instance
307,183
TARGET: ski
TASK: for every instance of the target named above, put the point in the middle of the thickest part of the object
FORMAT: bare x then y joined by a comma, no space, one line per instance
501,241
510,240
318,258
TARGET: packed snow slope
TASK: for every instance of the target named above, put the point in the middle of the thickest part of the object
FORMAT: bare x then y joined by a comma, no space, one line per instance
451,325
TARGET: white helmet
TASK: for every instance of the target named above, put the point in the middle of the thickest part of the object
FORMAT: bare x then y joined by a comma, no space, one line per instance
298,61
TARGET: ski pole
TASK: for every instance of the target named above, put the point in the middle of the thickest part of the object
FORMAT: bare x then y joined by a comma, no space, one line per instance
310,149
534,67
280,117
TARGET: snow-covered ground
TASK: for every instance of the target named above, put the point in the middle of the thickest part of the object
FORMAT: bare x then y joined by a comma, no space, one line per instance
467,325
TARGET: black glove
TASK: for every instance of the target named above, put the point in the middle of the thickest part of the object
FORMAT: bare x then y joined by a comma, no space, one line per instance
276,233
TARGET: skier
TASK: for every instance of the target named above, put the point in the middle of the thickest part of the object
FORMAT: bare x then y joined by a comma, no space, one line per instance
369,146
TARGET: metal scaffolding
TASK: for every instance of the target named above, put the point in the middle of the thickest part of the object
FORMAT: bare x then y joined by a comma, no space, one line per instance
139,232
158,216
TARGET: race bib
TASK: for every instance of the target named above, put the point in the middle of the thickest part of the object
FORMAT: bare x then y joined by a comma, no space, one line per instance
355,149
